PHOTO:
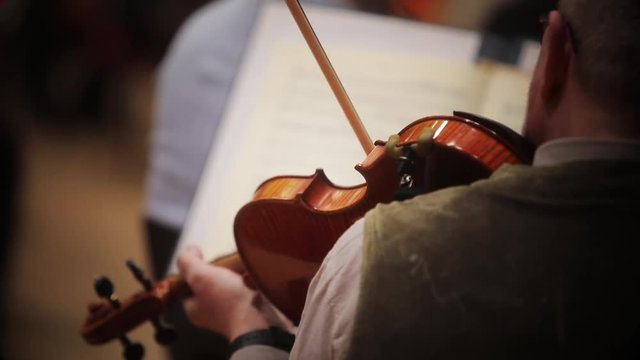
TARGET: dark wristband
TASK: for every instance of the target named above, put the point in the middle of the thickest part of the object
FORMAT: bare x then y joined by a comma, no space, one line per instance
272,336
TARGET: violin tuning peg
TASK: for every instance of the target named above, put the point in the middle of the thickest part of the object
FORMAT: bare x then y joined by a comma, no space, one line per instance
165,335
133,351
103,287
105,290
138,274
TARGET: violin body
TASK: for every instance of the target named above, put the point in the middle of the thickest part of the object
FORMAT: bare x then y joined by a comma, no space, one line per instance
286,231
284,234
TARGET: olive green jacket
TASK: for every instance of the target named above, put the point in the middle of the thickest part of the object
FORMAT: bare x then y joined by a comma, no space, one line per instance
532,263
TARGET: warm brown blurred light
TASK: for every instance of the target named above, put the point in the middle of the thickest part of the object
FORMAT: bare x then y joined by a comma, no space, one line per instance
75,99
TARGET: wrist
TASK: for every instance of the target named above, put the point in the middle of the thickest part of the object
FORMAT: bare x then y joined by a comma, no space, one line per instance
243,328
272,336
244,320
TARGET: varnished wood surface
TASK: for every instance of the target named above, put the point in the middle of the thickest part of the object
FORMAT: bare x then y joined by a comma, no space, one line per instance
285,232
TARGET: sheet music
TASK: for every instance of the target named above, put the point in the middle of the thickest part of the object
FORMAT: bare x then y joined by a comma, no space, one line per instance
283,119
505,95
529,56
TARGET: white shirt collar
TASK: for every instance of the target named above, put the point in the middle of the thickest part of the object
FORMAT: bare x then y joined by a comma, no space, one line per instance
577,149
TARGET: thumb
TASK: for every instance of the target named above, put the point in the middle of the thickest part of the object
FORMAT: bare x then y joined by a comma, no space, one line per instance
195,250
189,257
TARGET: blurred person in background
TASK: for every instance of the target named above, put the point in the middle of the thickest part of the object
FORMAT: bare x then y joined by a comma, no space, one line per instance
72,55
8,184
9,153
535,262
517,19
61,65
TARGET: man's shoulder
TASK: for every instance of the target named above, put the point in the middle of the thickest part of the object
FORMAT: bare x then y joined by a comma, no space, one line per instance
447,202
515,192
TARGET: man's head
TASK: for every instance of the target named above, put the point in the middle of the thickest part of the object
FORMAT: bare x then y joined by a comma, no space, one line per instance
587,81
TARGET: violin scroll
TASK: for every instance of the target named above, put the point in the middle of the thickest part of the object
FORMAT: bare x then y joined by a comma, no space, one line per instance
109,310
112,318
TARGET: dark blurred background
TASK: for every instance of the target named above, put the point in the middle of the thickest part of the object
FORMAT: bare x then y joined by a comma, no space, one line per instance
65,55
76,80
76,88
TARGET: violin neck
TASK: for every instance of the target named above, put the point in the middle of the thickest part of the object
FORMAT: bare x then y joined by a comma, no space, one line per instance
176,288
232,262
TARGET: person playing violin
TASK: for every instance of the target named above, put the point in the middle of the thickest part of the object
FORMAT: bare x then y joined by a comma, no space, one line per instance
537,261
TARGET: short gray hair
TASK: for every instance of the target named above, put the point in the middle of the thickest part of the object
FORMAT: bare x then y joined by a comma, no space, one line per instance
607,36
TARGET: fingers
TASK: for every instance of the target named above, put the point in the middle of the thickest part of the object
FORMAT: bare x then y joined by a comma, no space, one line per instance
204,277
191,253
190,261
195,250
192,310
222,302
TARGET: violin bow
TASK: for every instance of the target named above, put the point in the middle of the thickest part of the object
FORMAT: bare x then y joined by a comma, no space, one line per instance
330,74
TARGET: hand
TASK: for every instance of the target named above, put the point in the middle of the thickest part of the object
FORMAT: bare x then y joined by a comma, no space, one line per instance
222,302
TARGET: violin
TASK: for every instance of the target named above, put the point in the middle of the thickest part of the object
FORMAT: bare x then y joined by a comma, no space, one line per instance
285,232
294,221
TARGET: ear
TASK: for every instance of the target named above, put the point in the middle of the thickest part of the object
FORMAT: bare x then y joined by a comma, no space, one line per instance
558,52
